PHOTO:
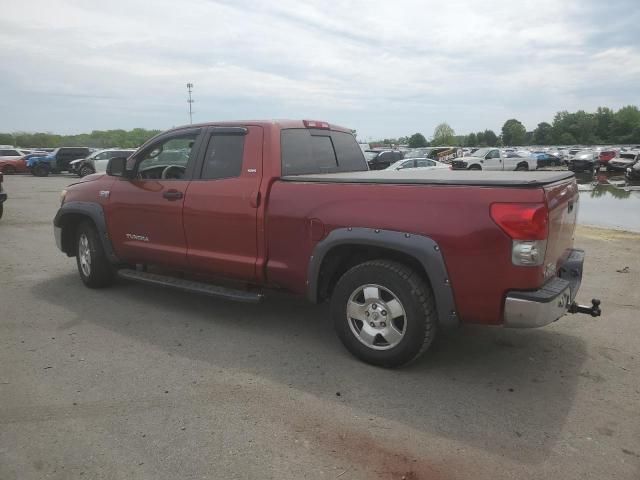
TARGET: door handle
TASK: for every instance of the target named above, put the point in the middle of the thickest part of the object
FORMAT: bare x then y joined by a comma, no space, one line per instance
172,195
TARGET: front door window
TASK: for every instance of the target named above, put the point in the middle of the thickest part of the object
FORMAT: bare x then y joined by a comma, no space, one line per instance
167,159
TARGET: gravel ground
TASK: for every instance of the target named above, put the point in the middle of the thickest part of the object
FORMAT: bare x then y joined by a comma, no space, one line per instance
135,382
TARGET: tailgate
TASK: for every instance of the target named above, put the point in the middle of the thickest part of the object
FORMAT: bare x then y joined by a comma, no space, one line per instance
562,201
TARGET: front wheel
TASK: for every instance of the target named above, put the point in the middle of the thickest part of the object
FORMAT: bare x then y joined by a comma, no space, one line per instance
93,265
85,170
40,170
384,313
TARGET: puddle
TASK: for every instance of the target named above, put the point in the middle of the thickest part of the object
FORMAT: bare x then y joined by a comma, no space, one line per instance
608,200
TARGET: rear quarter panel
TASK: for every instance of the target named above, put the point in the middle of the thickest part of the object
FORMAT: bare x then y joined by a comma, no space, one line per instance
477,253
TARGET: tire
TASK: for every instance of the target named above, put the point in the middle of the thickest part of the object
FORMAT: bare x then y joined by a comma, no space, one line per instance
8,169
475,167
85,170
393,291
523,167
93,266
41,170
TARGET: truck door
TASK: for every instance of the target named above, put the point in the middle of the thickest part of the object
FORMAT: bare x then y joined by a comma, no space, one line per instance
144,213
221,206
493,161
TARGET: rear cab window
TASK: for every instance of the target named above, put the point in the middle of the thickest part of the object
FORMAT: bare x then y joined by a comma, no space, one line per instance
308,151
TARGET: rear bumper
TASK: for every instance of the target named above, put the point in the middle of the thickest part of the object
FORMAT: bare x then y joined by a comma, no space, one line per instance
530,309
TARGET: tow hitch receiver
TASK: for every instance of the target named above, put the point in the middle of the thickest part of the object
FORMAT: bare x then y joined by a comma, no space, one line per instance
593,310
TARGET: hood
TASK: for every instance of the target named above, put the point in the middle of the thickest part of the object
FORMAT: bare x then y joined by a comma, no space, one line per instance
89,178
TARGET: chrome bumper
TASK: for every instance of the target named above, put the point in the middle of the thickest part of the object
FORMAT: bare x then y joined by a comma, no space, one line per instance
530,309
57,233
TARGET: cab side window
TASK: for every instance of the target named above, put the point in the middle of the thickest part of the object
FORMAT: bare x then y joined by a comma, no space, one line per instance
166,159
223,158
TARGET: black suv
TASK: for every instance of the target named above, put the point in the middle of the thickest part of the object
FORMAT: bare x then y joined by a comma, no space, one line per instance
379,160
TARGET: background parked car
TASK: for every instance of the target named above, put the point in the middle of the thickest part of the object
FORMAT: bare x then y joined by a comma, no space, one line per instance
381,159
582,161
56,161
11,165
547,160
415,163
623,161
633,172
3,196
605,155
97,161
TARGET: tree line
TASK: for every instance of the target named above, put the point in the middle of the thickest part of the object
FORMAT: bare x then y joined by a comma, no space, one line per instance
96,139
604,126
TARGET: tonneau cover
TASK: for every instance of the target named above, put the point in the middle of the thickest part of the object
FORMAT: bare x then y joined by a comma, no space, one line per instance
439,177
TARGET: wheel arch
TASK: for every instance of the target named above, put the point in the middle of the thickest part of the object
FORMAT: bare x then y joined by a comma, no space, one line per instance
71,215
344,248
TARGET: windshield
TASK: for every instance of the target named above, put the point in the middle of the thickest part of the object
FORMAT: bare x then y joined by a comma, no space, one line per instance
370,155
481,152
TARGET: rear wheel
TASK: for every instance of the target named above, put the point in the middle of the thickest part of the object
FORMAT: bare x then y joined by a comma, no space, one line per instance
522,167
93,266
384,313
8,169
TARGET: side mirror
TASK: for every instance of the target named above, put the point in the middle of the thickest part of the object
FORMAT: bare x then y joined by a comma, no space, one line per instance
117,167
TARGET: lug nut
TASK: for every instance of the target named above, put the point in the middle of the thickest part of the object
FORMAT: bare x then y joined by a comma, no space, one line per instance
382,324
366,314
374,306
372,324
383,312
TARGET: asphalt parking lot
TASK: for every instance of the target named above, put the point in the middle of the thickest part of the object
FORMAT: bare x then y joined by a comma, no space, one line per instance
135,382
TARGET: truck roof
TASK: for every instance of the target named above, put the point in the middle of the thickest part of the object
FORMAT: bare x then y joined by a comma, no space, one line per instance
277,123
439,177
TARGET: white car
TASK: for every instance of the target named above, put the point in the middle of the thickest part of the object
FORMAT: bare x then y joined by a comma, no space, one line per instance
493,159
420,162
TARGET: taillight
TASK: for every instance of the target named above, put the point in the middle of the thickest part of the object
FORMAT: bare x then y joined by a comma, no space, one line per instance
528,226
522,221
316,124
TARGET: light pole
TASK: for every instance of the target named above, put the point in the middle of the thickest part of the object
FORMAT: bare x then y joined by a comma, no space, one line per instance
190,102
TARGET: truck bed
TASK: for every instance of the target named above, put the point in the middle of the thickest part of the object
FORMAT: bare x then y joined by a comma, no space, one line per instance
530,179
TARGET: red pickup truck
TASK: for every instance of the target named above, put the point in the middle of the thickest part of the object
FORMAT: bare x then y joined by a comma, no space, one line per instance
291,205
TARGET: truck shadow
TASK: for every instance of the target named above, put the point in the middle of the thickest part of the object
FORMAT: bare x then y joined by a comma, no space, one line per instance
506,392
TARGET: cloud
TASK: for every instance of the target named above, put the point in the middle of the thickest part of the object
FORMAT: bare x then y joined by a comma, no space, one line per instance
383,68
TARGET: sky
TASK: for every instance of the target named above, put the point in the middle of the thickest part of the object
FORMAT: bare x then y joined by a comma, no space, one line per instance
383,68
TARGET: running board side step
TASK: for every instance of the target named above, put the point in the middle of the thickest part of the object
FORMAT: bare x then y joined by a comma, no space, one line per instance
190,286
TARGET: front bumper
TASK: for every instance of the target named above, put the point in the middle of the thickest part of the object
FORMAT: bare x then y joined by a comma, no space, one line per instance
530,309
632,174
618,167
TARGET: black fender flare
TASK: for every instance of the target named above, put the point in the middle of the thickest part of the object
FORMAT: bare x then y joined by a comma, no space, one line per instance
423,249
95,213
